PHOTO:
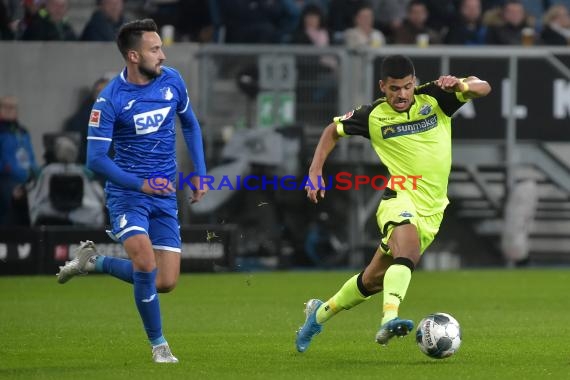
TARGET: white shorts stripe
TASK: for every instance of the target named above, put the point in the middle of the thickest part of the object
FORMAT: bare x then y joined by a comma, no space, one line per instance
133,228
99,138
165,248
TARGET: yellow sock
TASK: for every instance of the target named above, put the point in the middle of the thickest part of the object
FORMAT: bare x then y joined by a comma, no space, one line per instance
396,281
346,298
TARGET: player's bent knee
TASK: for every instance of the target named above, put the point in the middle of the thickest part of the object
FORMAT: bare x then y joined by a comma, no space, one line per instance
165,289
140,252
165,286
144,265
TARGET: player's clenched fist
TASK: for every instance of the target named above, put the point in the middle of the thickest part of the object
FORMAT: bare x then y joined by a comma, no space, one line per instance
449,83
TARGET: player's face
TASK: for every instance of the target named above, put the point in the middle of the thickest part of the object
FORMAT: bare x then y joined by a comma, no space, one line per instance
8,108
399,92
151,55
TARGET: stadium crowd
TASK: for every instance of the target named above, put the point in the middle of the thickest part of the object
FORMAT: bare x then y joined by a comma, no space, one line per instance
352,23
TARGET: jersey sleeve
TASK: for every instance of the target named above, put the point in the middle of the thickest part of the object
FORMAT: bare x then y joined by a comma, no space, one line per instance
449,102
99,138
193,137
101,119
180,86
354,122
190,127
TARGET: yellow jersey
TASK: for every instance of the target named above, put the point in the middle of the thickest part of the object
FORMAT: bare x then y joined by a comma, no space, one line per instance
413,143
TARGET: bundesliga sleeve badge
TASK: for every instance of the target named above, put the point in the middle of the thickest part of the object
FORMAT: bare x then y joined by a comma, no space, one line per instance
94,118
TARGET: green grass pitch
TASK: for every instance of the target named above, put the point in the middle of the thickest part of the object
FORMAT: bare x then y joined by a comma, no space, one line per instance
231,326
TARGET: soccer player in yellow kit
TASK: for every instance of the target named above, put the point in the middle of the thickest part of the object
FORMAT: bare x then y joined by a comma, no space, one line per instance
410,129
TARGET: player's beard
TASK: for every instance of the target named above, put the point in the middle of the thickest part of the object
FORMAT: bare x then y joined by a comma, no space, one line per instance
148,72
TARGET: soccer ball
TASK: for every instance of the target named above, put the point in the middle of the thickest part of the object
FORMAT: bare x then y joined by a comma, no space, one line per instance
438,335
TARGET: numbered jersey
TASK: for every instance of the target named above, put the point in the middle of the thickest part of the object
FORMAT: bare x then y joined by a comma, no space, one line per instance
140,120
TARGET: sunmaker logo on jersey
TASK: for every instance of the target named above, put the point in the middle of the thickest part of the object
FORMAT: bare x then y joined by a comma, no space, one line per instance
396,130
150,121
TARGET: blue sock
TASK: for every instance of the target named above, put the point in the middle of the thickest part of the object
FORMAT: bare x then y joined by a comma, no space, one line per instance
146,298
119,268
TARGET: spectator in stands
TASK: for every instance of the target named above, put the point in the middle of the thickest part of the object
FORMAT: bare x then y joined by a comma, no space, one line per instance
508,29
311,30
390,14
196,21
440,13
24,14
6,32
17,163
50,24
105,21
468,28
363,34
79,120
341,17
256,21
13,17
415,25
556,26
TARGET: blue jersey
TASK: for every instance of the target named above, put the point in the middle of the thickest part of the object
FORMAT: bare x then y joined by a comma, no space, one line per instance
140,120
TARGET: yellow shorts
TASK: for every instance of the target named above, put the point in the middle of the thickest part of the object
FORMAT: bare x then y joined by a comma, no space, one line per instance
396,209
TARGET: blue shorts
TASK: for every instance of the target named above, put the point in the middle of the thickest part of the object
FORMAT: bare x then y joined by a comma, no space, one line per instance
134,213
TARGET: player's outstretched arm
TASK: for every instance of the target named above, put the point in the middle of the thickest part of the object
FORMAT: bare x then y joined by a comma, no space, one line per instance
326,144
193,137
471,87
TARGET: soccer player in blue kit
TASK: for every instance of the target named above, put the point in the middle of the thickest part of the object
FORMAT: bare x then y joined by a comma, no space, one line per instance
136,111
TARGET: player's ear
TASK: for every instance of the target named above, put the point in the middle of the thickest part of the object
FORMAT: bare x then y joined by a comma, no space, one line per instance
381,84
133,56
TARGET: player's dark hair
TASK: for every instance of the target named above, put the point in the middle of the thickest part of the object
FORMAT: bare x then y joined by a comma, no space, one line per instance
397,67
131,33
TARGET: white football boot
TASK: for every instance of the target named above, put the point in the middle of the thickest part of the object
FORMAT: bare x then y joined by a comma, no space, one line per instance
162,354
78,266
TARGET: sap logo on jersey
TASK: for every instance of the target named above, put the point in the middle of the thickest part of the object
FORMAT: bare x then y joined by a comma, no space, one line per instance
150,121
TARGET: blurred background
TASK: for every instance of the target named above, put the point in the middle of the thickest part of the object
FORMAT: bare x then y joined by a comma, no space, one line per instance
265,77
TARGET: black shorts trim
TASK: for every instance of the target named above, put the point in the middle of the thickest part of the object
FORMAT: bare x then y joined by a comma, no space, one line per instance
384,232
389,194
